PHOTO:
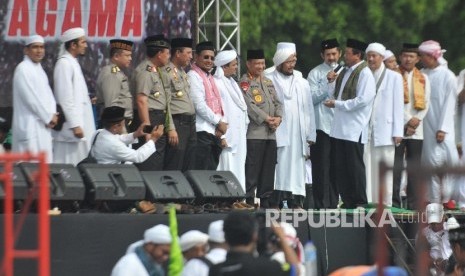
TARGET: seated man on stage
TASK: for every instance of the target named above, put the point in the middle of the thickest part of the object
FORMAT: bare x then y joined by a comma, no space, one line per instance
110,145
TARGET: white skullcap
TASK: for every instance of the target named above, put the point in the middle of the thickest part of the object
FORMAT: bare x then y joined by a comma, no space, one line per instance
215,231
434,212
281,55
192,238
388,54
452,223
376,47
286,45
225,57
72,34
431,47
34,39
159,234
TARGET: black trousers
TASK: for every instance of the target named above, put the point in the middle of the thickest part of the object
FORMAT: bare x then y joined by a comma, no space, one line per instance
325,194
156,161
348,171
411,149
206,154
176,157
260,165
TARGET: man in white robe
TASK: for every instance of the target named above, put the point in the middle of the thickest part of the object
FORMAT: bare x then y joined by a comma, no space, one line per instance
353,96
34,107
149,256
386,127
72,143
439,131
233,155
297,130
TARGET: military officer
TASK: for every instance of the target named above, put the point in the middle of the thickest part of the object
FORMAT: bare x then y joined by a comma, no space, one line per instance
152,101
181,131
112,82
265,113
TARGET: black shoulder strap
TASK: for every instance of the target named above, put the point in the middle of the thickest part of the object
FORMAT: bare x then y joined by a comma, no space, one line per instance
206,261
93,143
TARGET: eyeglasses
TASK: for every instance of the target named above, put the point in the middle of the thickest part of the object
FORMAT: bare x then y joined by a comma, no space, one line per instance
212,58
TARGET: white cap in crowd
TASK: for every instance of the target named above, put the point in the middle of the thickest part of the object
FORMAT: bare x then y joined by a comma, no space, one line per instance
192,238
215,231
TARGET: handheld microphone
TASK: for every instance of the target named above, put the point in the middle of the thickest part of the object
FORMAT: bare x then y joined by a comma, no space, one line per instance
339,68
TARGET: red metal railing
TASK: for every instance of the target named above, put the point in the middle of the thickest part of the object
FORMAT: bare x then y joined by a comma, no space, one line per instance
40,184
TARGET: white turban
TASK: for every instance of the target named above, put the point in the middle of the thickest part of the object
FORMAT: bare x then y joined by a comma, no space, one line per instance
376,47
281,55
159,234
388,54
225,57
215,231
34,39
431,47
192,238
285,45
72,34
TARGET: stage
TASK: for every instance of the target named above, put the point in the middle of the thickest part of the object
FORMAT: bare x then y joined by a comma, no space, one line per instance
91,243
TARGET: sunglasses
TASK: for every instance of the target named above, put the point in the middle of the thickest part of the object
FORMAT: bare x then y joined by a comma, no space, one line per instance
212,58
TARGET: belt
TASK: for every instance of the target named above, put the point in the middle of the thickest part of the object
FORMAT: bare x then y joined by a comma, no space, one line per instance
184,117
157,111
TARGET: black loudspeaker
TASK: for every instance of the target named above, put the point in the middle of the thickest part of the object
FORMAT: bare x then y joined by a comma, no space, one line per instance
167,186
66,187
215,185
20,185
112,182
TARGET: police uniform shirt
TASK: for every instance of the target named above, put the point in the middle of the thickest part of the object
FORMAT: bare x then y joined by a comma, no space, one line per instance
260,97
148,82
113,89
177,84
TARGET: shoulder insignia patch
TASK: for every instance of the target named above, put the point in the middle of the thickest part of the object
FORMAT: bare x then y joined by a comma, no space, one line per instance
244,86
115,69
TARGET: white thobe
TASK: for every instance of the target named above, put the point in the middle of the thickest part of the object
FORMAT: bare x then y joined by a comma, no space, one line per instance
112,148
440,117
409,109
296,129
438,242
317,80
196,267
386,122
351,116
71,93
129,264
33,108
232,157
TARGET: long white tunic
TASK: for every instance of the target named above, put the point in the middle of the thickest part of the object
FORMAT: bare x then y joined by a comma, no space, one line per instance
71,93
33,108
409,109
386,122
233,157
196,267
297,127
317,80
440,116
351,116
129,264
111,148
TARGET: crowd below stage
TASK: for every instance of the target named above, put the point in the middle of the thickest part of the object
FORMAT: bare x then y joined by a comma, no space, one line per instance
275,130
